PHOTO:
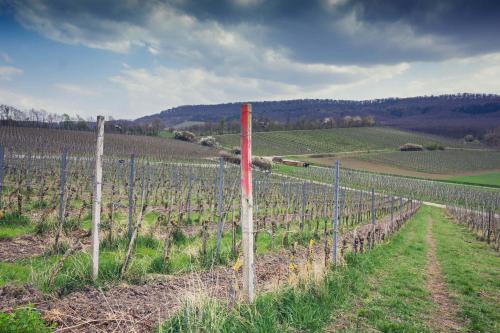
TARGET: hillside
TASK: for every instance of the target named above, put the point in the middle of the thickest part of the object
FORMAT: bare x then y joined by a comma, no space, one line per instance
333,140
451,115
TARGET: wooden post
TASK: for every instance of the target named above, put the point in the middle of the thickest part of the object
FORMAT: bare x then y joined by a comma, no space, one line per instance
219,207
2,167
188,200
130,196
62,185
392,209
247,203
303,207
335,213
373,206
401,209
96,204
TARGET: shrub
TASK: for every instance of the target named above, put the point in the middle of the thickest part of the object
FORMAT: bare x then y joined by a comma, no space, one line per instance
184,136
411,147
262,163
228,157
469,138
208,141
236,151
434,146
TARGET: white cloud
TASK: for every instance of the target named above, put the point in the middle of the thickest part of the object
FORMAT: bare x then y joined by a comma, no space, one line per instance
8,72
149,91
75,89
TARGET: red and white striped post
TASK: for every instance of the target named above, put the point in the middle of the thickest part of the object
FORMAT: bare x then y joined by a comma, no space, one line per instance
247,203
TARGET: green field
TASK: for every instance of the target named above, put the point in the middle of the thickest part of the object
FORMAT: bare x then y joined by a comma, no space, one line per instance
332,140
487,179
441,162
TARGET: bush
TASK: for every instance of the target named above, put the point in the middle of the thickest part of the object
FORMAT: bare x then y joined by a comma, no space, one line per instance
469,138
411,147
434,146
262,163
208,141
23,320
184,136
236,151
228,157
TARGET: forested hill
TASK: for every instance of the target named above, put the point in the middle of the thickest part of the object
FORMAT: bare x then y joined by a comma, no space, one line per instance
453,115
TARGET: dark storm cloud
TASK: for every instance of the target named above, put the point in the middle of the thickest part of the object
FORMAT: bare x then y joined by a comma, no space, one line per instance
313,30
326,31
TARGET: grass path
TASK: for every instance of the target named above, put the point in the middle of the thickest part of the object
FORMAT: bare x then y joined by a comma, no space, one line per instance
394,298
471,269
434,276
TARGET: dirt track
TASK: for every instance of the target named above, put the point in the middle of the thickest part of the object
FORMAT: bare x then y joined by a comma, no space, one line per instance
444,317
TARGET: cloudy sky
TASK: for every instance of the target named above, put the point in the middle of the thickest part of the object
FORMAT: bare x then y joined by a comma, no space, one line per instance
129,58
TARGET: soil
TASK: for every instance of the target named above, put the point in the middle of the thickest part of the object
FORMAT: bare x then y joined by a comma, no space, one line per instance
444,317
20,247
140,308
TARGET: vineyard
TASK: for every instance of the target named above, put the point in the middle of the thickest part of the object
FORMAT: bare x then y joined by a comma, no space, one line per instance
42,141
171,225
160,219
333,140
441,162
425,190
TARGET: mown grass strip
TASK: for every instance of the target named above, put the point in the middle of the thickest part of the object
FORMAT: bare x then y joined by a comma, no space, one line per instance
472,271
310,306
395,298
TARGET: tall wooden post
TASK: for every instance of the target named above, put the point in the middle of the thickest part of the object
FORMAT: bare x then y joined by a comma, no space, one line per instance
219,207
96,204
335,213
131,207
247,203
190,188
1,174
62,185
392,209
373,206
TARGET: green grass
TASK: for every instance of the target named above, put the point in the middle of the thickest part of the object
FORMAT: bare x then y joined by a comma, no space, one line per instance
7,232
23,320
166,134
13,225
390,302
486,179
332,140
472,271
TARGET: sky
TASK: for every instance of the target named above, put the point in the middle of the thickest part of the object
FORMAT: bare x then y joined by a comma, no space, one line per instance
130,58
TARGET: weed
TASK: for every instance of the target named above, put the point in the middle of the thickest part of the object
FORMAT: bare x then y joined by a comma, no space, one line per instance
23,320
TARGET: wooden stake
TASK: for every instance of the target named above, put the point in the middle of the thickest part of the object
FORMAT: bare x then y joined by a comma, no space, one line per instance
1,174
96,205
335,224
247,203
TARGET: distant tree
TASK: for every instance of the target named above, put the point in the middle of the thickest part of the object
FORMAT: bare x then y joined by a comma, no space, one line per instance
347,121
469,138
222,122
368,120
493,137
